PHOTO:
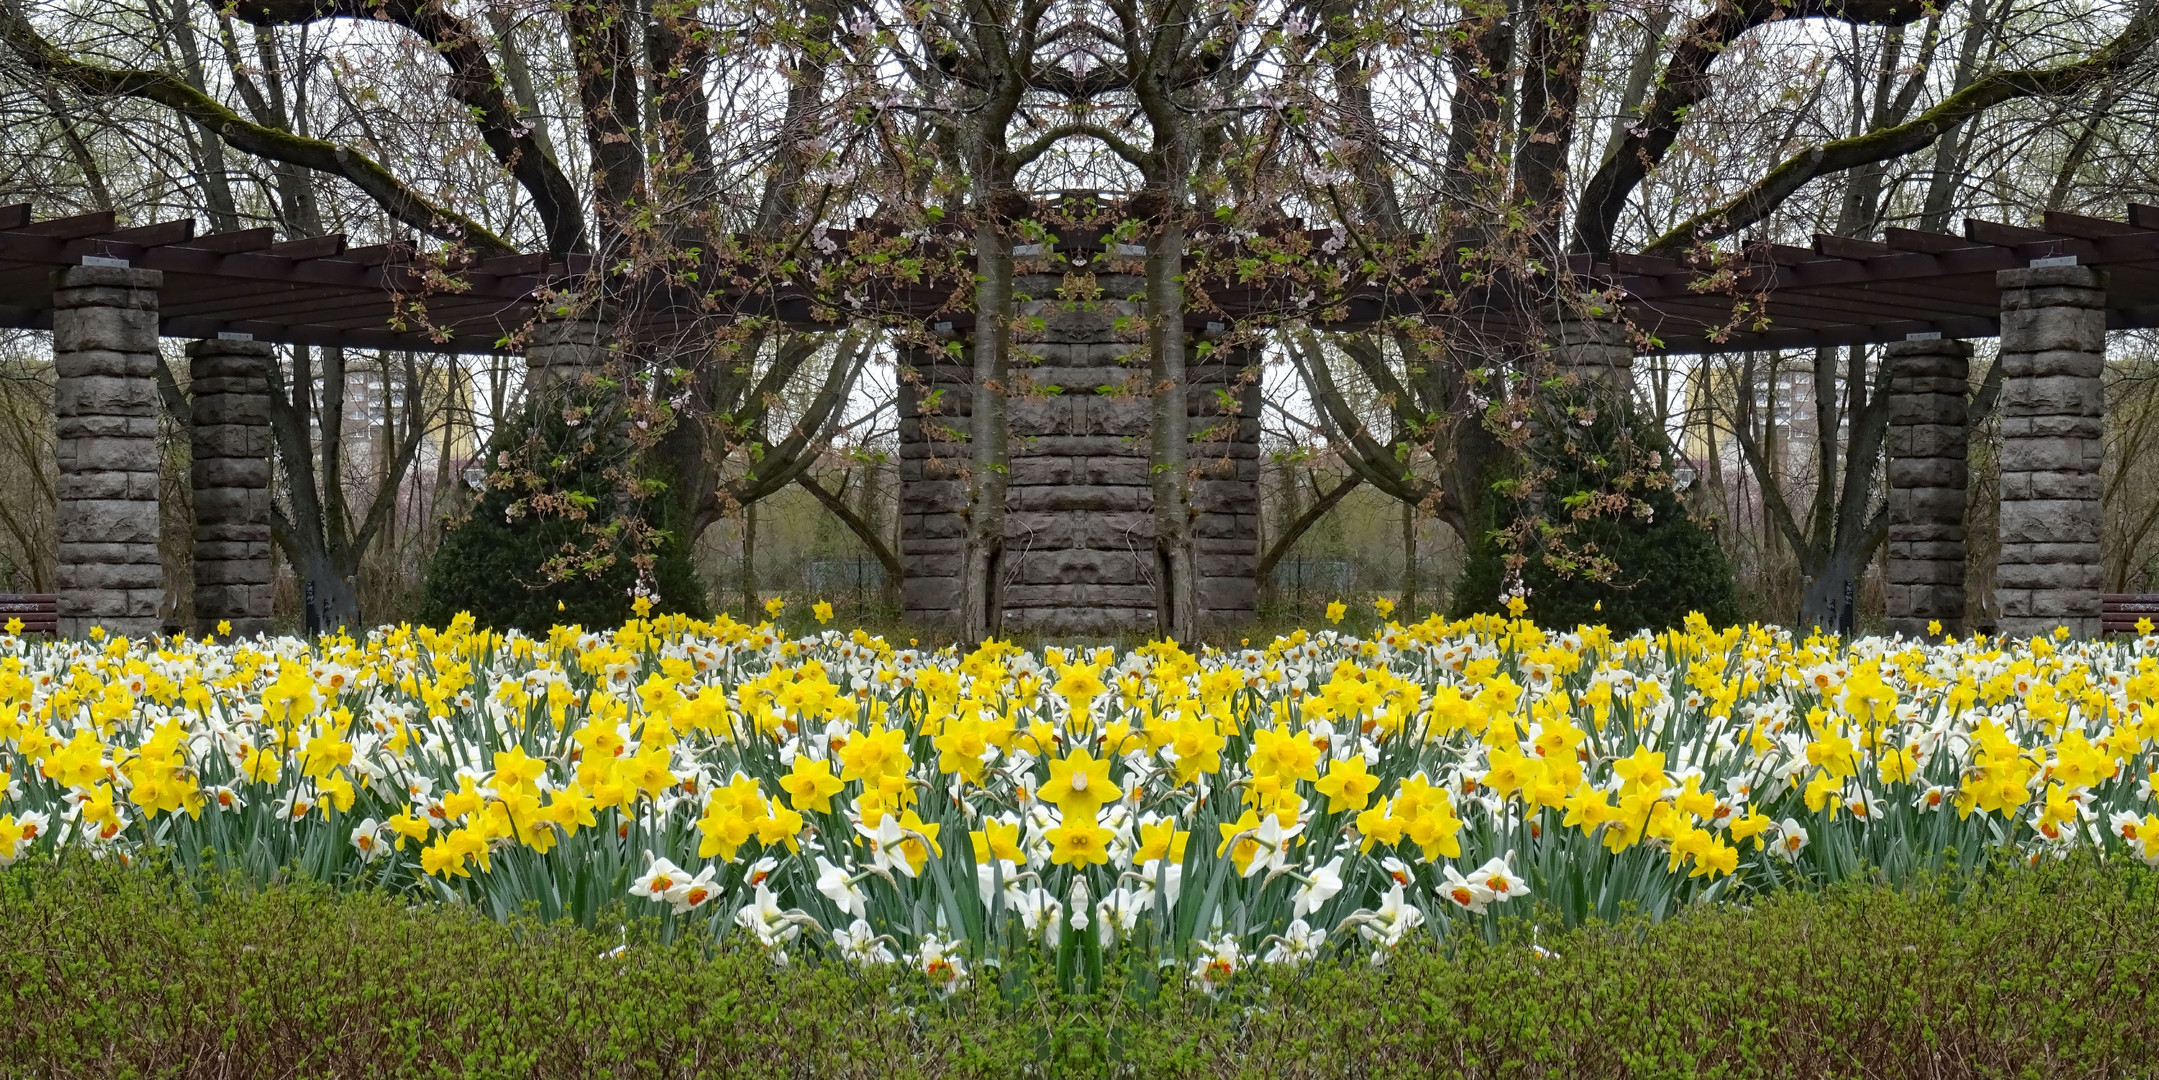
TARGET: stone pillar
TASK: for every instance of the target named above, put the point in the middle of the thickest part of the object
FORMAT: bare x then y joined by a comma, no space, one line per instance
1079,555
1596,351
230,428
2053,350
1928,467
932,459
1224,410
564,351
105,358
1079,522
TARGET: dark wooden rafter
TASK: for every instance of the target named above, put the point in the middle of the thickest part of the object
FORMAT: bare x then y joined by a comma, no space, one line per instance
1835,291
1847,290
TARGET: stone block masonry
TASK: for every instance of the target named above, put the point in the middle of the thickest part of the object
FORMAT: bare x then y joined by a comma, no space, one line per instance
2052,421
1079,555
1928,469
230,432
1596,351
564,351
105,338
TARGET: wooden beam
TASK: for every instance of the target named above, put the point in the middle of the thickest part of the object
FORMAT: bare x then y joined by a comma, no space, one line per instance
2144,215
1646,265
2087,228
14,216
228,242
312,247
1931,243
515,265
158,235
1786,254
258,301
1845,247
2023,239
70,228
377,254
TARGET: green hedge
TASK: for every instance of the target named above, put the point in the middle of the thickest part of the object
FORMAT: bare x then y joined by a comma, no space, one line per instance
2044,973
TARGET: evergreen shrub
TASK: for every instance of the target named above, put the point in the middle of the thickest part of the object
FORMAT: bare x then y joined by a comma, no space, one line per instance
577,495
1581,560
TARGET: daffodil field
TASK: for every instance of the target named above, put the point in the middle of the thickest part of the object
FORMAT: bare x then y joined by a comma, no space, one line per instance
834,799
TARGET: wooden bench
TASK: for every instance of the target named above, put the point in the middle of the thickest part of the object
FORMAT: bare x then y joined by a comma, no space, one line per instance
2119,612
39,612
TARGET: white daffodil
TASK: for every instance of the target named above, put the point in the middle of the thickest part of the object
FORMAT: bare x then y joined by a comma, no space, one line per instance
1468,894
1041,913
1395,918
1397,870
1298,945
987,876
841,889
1217,963
367,839
1791,838
658,879
1503,883
888,845
760,870
1316,890
1145,876
1273,845
946,971
861,945
1118,913
692,894
763,918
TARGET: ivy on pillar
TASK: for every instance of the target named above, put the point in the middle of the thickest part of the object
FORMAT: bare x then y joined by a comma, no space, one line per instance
2053,353
105,359
1928,470
230,429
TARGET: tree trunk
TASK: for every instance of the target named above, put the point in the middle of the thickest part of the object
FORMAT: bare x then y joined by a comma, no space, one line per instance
749,563
1823,602
1178,592
989,441
1409,559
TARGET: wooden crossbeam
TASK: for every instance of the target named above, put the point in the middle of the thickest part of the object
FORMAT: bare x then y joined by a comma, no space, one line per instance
255,301
1646,265
2088,228
229,242
70,228
158,235
2017,236
1845,247
1929,243
313,247
15,216
1785,254
515,265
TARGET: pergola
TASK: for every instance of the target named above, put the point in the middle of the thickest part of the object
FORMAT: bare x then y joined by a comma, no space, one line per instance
320,291
2050,293
1843,291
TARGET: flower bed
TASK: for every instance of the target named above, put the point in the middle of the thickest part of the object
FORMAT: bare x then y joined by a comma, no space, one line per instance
1141,812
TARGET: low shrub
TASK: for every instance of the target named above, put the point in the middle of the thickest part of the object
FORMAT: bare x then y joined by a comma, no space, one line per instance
106,972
